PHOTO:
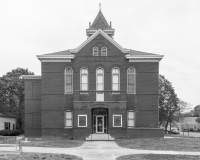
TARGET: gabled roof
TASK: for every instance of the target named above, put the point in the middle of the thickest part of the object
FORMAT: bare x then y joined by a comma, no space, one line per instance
99,31
10,115
66,52
134,52
62,56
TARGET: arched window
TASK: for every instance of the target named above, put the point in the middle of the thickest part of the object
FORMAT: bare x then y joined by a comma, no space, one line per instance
104,51
131,83
68,81
100,79
84,79
115,79
95,51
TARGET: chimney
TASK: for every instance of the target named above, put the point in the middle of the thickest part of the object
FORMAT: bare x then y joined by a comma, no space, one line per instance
110,24
89,24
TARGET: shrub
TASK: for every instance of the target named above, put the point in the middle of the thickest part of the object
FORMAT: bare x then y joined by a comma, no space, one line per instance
9,132
191,130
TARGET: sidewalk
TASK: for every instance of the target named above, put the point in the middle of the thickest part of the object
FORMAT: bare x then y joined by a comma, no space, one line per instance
97,150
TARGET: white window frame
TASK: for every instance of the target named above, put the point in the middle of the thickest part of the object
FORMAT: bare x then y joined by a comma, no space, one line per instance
81,79
102,48
69,119
97,51
118,78
97,78
134,91
65,81
82,116
114,120
131,119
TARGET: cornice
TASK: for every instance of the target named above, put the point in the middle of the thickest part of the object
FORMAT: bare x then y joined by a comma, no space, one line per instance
31,76
55,58
144,58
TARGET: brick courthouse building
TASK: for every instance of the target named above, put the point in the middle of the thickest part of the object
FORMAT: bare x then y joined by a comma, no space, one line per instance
97,88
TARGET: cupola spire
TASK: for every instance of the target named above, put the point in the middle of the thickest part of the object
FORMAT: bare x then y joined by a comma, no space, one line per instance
100,23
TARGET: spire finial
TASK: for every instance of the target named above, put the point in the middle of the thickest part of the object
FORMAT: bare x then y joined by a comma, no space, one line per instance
99,6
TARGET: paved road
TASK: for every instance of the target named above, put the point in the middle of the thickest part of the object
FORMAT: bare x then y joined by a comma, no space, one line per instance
97,150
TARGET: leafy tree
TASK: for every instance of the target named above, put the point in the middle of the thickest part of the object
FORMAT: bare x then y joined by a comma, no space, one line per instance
198,120
168,102
184,106
12,94
197,111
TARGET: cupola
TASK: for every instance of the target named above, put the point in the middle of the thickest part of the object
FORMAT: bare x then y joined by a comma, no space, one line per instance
100,23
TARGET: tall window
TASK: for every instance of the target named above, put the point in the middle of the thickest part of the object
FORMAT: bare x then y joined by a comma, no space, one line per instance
95,51
131,81
104,51
68,81
68,119
115,79
100,79
7,125
131,119
84,79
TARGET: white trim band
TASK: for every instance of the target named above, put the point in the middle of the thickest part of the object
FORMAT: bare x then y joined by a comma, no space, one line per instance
31,76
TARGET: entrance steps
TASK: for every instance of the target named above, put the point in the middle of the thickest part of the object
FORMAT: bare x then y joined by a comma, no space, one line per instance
100,137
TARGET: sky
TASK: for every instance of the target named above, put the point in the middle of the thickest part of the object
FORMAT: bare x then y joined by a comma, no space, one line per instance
166,27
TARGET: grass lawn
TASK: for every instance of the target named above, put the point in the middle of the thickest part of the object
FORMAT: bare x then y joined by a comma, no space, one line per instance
168,144
56,142
158,157
38,156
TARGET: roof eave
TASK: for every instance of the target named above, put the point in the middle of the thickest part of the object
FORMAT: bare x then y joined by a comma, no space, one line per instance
31,76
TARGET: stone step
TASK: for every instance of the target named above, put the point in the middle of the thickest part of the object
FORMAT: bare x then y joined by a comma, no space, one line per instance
100,137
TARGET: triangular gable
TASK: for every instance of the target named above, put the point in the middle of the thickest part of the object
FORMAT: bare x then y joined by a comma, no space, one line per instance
104,35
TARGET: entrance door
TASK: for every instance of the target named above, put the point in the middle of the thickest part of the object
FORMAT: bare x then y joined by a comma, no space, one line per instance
99,124
100,85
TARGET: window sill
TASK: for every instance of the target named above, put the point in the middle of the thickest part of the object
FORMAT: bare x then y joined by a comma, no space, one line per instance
116,92
84,92
68,127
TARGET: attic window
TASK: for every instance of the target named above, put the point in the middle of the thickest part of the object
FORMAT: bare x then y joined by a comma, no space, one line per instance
104,51
95,51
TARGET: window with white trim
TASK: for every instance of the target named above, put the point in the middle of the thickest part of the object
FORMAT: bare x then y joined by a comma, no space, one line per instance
82,120
84,79
103,51
117,120
95,51
68,119
131,119
7,125
115,79
68,81
100,79
131,87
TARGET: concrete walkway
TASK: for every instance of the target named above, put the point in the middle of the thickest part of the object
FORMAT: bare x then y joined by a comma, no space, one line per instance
97,150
